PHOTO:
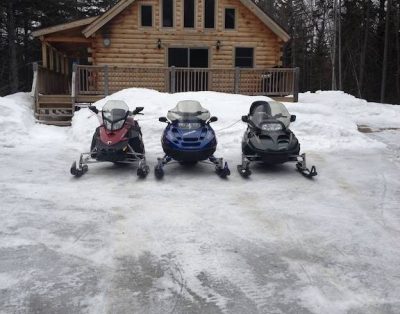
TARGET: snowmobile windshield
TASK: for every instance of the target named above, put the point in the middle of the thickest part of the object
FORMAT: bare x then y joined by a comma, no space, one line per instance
188,114
267,115
115,113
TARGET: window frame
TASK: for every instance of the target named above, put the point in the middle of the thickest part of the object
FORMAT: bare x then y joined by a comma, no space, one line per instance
253,57
152,15
224,17
174,22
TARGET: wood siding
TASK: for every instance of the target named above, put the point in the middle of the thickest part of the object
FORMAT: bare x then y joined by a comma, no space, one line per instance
132,45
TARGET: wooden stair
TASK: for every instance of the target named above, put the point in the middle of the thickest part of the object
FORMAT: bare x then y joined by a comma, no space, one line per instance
59,109
54,109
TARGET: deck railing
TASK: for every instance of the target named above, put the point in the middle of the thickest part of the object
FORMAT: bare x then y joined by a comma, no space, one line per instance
104,80
48,82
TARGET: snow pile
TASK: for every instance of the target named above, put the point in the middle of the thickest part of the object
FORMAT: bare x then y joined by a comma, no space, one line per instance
16,118
359,110
227,107
325,120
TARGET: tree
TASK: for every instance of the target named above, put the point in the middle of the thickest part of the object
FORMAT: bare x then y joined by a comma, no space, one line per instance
12,45
385,51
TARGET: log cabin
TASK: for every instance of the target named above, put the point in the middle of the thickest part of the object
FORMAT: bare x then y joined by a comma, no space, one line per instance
227,46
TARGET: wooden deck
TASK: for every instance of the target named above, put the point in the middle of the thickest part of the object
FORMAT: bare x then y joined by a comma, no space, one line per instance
57,95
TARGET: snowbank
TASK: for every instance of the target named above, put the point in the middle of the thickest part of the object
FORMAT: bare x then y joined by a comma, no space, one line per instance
227,107
359,110
16,118
326,120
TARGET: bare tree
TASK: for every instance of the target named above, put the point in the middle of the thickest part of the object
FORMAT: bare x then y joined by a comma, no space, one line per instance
340,45
333,47
11,31
385,51
364,48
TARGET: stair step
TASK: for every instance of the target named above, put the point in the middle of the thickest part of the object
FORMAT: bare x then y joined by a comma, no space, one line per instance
56,115
53,101
56,108
54,122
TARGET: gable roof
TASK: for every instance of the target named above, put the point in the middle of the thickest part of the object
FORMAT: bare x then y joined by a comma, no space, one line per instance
63,27
93,24
266,19
106,17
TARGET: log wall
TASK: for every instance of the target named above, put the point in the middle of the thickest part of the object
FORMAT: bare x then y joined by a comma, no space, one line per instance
133,45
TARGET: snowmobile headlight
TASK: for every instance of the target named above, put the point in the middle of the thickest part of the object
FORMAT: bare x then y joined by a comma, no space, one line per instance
118,125
189,125
271,127
107,124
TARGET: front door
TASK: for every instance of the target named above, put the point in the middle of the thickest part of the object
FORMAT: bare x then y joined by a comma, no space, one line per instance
189,75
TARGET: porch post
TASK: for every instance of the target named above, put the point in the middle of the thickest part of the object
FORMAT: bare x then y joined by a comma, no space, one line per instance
51,55
44,55
172,79
74,81
66,65
62,64
57,67
106,82
237,80
34,90
296,78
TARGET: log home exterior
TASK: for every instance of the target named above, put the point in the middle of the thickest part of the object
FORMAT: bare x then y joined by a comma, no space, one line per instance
168,45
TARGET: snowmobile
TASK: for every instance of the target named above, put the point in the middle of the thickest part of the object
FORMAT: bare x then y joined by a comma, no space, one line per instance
268,139
118,139
189,138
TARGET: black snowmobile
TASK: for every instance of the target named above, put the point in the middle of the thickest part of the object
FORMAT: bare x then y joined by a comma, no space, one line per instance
268,138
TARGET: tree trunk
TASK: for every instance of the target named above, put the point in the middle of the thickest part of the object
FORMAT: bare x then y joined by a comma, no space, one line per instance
333,49
340,46
364,50
11,30
385,52
398,52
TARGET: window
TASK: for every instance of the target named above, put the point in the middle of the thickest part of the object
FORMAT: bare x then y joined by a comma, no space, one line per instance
209,13
188,14
167,13
146,12
230,18
188,57
244,57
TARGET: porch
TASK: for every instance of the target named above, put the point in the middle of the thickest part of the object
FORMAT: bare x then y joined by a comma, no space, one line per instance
58,93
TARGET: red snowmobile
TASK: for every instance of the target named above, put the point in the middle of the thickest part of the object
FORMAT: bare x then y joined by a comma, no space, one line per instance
118,139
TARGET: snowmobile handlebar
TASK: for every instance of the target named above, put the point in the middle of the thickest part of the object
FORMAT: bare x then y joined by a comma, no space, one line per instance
94,109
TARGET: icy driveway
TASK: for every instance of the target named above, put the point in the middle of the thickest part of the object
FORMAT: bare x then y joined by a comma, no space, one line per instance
193,243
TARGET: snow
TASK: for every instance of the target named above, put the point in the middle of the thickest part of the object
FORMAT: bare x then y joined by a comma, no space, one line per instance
193,243
16,118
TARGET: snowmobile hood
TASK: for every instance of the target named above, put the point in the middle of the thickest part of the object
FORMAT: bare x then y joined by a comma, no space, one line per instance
115,137
198,138
280,141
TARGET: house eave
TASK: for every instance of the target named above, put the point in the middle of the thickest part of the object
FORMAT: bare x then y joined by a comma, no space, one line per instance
63,27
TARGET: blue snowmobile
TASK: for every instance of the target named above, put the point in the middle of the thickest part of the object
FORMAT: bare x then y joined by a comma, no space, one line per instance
189,138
